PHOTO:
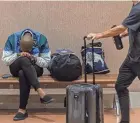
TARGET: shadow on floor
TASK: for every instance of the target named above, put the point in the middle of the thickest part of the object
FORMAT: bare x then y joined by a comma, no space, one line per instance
36,111
41,118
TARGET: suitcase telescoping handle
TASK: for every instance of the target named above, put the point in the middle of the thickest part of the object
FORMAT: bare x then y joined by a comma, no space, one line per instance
85,37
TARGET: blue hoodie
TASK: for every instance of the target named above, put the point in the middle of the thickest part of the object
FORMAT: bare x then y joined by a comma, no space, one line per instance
41,49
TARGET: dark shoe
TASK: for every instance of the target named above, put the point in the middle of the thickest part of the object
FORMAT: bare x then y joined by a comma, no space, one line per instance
20,116
46,99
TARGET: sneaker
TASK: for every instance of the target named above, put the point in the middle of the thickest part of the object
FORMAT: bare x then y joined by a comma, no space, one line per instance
20,116
46,99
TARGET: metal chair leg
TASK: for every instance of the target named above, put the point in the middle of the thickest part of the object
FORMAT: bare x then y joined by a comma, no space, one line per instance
117,105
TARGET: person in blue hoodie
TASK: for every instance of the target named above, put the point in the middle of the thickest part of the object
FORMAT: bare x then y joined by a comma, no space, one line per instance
26,53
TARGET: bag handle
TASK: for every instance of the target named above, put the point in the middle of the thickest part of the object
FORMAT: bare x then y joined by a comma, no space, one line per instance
93,75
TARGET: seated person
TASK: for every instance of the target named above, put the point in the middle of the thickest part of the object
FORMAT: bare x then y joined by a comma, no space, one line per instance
27,53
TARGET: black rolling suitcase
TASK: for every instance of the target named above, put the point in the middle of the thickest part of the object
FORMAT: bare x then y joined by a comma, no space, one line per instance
84,102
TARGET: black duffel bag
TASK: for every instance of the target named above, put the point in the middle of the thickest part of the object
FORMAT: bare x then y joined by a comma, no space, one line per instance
65,66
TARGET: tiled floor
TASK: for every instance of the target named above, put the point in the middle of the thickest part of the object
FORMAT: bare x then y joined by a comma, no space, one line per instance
109,117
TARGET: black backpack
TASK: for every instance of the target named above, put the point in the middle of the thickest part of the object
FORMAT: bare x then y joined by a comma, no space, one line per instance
65,66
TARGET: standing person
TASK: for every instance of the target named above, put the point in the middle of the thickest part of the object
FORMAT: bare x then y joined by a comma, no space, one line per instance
27,53
130,68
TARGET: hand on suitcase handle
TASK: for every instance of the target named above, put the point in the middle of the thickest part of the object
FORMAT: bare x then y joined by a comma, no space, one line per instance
92,36
85,37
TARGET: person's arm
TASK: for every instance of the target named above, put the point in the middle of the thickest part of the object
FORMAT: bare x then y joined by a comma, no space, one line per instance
45,54
109,33
131,22
8,55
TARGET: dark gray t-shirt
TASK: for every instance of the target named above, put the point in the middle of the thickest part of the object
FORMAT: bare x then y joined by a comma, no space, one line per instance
132,22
